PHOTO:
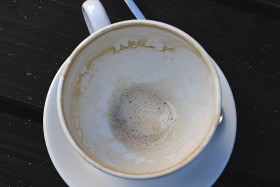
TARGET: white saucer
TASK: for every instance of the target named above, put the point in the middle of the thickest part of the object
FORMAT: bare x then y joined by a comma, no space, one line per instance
203,171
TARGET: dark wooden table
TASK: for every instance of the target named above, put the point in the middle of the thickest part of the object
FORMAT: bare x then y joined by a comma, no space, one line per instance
36,36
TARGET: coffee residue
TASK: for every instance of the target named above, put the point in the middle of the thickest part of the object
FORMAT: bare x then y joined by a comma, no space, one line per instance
141,117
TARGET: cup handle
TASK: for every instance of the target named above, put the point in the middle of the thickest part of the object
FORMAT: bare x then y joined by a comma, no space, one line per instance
95,15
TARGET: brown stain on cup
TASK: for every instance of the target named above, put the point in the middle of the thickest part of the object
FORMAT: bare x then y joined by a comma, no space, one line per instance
140,24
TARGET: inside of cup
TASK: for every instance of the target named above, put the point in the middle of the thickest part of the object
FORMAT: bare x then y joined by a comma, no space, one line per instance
140,100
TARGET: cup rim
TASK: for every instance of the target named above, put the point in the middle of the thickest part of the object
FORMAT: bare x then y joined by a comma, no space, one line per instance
70,61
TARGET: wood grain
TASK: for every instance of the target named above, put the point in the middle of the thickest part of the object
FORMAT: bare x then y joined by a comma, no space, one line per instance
34,44
24,160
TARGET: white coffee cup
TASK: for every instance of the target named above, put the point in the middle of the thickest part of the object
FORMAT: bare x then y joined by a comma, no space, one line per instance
138,99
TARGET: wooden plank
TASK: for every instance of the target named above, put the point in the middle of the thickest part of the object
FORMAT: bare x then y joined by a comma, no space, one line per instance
33,45
24,160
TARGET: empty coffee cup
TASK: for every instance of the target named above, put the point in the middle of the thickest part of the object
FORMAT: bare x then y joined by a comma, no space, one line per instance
139,99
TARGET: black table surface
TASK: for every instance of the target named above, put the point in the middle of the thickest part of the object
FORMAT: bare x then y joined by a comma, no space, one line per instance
36,36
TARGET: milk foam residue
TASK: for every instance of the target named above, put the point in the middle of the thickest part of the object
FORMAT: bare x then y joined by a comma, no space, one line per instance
142,115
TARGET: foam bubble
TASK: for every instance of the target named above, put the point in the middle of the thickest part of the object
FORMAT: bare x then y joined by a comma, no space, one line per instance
141,116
